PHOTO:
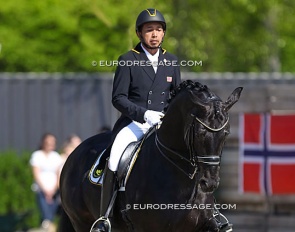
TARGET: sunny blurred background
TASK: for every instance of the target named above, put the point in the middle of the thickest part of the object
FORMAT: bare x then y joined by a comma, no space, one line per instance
231,36
48,82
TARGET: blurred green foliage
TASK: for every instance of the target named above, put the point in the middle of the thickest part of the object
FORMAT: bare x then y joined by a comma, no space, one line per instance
15,187
61,36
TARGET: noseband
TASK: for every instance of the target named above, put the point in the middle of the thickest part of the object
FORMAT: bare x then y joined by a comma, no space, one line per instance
210,161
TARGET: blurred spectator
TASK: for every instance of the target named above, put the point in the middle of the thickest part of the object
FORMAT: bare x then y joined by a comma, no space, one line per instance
69,146
74,140
46,164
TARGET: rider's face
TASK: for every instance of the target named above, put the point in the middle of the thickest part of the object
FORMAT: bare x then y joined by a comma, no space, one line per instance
152,33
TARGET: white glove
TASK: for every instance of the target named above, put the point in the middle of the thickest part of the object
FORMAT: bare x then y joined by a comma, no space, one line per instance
152,117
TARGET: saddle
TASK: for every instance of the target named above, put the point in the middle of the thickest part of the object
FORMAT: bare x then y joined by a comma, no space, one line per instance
126,162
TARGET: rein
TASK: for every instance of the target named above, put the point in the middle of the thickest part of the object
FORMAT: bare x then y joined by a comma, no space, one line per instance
189,175
212,160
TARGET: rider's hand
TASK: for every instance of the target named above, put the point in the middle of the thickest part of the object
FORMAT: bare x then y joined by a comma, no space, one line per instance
152,117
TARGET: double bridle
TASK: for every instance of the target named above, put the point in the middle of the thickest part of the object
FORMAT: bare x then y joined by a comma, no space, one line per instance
211,160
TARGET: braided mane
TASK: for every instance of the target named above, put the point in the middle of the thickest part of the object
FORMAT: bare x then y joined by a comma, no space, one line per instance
187,84
191,85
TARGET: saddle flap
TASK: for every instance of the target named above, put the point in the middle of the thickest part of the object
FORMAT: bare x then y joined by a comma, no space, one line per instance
129,157
125,161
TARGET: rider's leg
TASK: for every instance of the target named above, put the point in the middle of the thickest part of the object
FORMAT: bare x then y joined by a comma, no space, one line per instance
109,185
133,132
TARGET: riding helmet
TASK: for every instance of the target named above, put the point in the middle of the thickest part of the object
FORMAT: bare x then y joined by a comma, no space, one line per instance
150,15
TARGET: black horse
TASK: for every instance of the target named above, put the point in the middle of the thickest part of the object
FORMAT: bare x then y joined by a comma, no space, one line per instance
177,170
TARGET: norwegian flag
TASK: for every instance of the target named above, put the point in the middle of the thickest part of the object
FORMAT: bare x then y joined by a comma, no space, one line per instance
267,154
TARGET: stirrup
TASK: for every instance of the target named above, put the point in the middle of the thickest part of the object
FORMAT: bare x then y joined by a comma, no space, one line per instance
223,223
100,220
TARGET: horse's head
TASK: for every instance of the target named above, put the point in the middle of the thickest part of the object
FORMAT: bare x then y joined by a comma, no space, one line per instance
203,122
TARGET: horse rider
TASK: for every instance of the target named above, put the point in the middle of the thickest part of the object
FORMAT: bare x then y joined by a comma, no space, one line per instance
143,80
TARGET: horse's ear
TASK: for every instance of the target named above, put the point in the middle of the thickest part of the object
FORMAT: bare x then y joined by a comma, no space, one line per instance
233,98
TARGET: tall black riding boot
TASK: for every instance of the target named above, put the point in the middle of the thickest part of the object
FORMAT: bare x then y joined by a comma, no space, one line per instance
108,188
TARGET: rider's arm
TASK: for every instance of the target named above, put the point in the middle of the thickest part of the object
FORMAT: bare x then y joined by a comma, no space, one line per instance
120,94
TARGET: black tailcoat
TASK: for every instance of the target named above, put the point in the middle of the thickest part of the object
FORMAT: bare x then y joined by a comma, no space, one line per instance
136,87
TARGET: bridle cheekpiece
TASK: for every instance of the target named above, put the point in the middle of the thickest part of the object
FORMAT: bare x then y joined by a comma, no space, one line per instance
211,160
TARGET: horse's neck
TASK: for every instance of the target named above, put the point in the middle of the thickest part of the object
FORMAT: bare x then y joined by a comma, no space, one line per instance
171,134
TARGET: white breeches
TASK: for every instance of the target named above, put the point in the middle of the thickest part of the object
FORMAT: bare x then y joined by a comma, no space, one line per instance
133,132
